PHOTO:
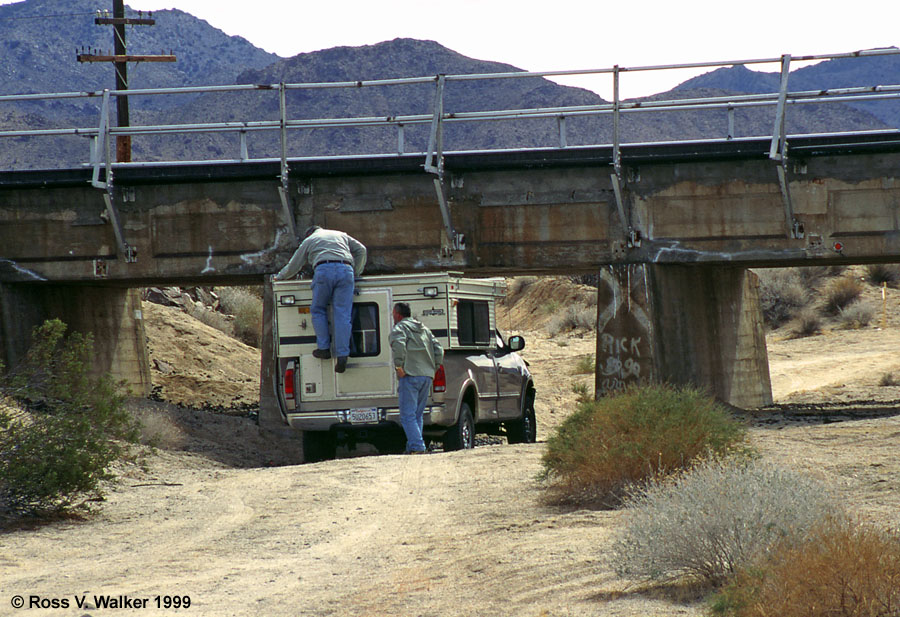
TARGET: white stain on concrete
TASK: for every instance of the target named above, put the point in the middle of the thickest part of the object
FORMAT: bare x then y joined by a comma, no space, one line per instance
251,258
209,267
32,275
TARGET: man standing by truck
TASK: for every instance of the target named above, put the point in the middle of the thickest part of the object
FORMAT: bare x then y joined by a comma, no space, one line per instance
337,259
417,354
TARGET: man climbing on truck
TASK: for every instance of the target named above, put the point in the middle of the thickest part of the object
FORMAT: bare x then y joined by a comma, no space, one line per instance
417,354
337,259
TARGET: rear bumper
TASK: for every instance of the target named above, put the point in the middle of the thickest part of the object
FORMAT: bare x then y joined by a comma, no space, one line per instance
326,420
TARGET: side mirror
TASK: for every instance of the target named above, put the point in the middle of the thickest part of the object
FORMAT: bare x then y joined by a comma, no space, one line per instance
516,343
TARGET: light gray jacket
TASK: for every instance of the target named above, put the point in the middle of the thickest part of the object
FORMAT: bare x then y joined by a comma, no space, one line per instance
415,348
323,245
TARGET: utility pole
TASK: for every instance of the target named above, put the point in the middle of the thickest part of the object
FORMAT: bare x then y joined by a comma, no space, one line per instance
120,60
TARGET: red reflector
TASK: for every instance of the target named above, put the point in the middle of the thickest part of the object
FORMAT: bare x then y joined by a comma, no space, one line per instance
440,380
289,384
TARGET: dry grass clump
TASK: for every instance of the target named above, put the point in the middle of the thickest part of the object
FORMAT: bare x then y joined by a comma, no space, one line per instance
806,323
583,392
609,444
883,274
245,303
781,295
839,570
584,365
572,318
887,380
705,523
841,293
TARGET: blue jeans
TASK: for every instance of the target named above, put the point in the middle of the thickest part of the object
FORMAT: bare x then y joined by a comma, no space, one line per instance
332,284
413,394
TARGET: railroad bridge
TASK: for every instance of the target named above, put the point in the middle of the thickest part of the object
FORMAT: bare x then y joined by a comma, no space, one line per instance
672,227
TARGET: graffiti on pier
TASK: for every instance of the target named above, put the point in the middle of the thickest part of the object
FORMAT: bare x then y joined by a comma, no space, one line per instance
623,329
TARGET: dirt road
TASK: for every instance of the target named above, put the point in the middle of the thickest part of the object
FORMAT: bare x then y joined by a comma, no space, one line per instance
447,534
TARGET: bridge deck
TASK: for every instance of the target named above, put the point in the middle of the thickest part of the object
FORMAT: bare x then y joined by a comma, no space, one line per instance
541,210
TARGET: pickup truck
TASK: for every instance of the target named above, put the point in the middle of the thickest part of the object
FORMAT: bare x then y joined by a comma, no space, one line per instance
483,386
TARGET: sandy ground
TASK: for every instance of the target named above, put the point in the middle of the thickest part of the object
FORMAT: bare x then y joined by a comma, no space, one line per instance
220,514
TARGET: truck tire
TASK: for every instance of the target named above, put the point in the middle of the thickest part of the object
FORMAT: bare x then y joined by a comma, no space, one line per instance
523,430
461,436
318,446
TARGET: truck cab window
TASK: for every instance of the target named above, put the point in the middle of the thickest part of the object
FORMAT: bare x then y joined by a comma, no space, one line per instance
473,322
364,340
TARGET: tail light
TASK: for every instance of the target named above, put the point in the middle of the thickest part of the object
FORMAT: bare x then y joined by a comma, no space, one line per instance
440,380
289,383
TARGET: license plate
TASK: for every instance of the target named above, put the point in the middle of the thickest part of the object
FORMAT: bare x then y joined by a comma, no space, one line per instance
363,416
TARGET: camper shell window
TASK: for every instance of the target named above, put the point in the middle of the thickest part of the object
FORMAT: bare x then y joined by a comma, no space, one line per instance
473,322
365,330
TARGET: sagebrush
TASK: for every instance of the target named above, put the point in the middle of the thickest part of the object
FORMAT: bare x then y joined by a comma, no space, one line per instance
609,444
574,317
841,293
841,569
708,521
67,427
855,316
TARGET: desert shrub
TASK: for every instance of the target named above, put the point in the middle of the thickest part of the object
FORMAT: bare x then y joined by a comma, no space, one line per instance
573,318
59,442
247,308
550,307
839,570
806,323
781,294
856,316
708,521
883,274
608,444
584,365
841,293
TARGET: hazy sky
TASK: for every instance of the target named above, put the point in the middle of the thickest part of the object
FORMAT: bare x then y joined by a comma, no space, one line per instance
563,34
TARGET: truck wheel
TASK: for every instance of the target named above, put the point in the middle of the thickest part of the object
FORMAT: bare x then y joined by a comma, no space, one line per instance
461,436
318,446
523,430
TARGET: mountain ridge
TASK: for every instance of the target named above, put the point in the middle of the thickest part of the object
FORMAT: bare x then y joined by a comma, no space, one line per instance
207,56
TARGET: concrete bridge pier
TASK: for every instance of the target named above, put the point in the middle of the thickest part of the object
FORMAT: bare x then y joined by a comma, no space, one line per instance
112,315
684,325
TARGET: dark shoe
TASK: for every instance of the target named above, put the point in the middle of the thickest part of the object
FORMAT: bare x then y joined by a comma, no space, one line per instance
341,365
322,354
414,452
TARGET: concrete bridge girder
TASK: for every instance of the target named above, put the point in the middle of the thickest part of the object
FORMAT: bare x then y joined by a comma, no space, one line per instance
545,215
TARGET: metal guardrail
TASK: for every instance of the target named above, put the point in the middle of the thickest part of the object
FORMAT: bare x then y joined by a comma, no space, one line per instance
102,135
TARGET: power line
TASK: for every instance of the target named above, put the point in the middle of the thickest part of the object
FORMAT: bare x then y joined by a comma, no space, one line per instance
47,16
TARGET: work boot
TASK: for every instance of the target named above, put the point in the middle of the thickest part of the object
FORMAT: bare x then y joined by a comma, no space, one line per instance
341,365
322,354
